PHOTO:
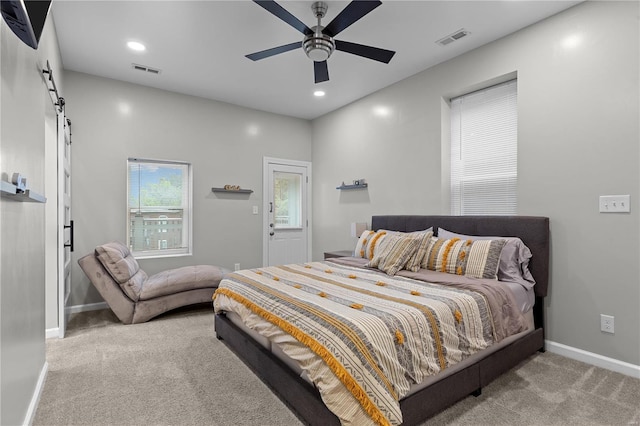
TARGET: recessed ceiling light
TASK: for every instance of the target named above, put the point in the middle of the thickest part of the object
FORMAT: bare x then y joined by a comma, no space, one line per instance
319,93
134,45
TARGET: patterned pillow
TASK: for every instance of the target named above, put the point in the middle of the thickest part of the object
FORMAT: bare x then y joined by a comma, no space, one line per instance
393,253
514,259
414,262
368,242
476,259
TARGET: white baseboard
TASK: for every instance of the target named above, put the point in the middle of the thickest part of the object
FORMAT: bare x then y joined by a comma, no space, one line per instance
54,333
85,308
612,364
35,399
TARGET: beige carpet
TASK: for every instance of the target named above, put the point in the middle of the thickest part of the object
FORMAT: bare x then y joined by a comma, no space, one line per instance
173,371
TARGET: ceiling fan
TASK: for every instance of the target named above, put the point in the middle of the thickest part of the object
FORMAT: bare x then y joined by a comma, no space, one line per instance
318,42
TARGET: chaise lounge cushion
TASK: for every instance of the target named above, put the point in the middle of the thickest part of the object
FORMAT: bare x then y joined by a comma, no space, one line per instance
181,279
123,268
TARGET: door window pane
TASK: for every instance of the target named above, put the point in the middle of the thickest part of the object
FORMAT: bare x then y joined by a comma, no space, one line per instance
287,199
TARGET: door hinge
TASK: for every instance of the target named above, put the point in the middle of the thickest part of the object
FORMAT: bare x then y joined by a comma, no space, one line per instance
307,179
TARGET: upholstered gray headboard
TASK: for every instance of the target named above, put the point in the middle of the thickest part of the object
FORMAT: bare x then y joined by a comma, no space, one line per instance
532,230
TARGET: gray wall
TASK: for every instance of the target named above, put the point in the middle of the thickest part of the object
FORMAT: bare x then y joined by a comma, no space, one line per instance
23,101
112,121
577,139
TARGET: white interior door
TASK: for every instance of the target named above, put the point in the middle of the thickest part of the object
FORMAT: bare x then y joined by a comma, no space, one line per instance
65,224
286,212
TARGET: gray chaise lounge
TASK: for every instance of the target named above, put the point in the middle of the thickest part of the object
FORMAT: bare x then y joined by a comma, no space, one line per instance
135,297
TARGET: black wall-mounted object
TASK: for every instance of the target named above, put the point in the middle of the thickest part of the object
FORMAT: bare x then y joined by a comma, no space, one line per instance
26,18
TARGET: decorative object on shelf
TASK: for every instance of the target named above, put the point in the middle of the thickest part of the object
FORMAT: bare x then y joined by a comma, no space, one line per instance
357,184
19,181
232,188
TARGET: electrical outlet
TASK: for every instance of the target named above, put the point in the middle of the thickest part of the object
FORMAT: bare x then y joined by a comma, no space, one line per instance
236,267
607,324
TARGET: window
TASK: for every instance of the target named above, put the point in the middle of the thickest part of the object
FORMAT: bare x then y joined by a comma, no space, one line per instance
484,151
288,199
158,207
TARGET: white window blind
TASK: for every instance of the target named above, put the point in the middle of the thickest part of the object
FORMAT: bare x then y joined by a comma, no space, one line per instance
158,207
484,151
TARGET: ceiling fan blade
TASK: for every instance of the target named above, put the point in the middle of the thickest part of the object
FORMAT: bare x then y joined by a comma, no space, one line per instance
321,71
286,16
350,14
273,51
375,53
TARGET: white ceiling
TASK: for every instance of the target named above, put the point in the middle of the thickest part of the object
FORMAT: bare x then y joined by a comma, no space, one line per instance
199,46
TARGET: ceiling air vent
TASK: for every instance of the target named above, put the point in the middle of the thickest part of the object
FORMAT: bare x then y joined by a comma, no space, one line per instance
453,37
145,68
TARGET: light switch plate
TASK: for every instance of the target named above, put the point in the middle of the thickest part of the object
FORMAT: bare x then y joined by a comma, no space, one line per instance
614,203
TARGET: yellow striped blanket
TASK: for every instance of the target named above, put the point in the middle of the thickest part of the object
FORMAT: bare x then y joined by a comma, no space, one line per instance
362,337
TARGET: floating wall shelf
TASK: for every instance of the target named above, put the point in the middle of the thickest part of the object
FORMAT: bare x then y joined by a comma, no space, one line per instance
233,191
361,186
10,192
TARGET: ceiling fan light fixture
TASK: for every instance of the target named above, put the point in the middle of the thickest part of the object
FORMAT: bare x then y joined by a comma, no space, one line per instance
318,47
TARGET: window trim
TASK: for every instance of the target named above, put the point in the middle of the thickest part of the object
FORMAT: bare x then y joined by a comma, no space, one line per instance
187,216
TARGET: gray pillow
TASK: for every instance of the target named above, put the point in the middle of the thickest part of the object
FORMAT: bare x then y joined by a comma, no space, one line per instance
514,259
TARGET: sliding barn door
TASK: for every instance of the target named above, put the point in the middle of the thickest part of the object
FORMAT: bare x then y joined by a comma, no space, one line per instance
65,224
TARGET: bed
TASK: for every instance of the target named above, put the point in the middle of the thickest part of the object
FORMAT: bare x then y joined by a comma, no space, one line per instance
468,375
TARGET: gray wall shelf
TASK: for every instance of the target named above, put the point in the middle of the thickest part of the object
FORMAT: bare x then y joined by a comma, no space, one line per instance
10,192
362,186
232,191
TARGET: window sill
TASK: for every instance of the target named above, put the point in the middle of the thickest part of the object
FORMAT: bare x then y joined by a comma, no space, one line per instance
144,255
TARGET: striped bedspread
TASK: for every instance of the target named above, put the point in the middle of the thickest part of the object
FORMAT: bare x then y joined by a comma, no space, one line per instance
362,337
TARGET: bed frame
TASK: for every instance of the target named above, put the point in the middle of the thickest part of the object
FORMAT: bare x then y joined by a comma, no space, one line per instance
303,399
